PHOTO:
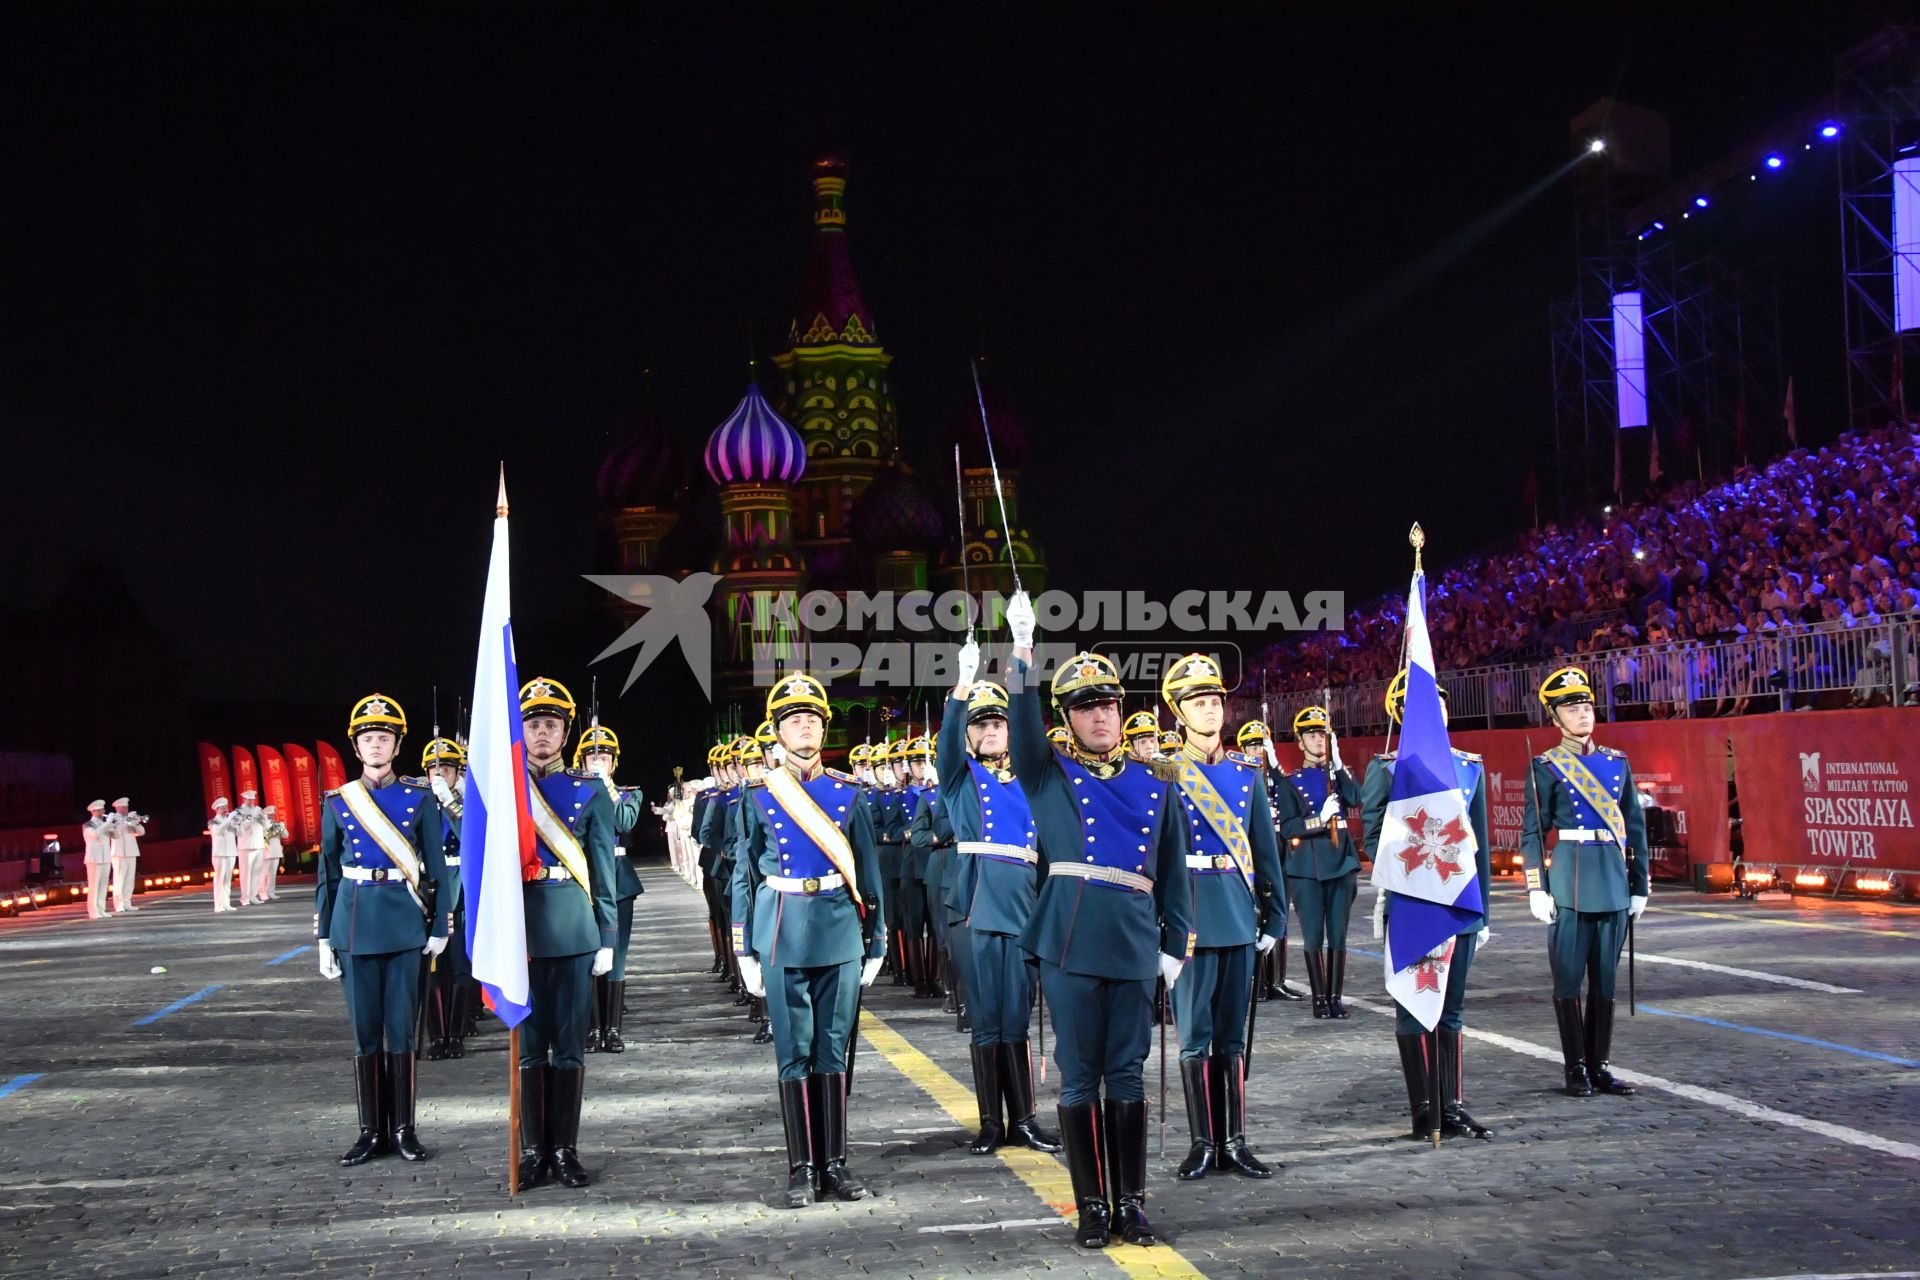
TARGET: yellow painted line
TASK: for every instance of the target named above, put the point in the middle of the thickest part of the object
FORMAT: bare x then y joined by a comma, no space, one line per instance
1045,1176
1787,924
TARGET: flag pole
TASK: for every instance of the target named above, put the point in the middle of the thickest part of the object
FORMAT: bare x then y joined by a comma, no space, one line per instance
513,1113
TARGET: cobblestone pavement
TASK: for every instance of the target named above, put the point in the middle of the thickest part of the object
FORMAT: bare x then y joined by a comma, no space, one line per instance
1777,1131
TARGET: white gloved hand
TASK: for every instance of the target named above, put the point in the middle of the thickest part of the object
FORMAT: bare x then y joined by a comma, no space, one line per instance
1333,750
1273,757
1540,902
1379,915
871,970
968,665
1635,906
1170,969
776,756
750,976
603,962
1330,809
434,946
1485,936
1267,943
441,791
1020,620
329,963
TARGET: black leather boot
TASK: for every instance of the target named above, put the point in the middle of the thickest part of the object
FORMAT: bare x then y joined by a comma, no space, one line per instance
1233,1153
1016,1093
898,950
597,1027
436,1020
1457,1123
835,1181
936,970
800,1162
1573,1046
1196,1082
536,1155
611,1040
569,1090
1127,1164
762,1034
457,1016
1317,981
400,1095
368,1095
1599,1045
1081,1136
1337,983
986,1090
1413,1066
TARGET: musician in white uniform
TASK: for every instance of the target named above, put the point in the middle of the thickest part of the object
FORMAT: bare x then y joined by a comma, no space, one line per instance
226,852
270,862
124,829
94,831
250,832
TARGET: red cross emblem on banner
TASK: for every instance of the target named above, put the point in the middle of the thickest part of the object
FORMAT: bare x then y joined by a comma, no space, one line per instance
1426,975
1432,844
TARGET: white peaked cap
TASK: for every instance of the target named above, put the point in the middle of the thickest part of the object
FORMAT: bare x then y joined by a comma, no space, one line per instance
97,804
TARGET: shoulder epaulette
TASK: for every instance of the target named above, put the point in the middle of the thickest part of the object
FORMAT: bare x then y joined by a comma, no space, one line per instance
1542,759
328,795
755,782
1164,768
1241,757
842,777
421,783
1613,751
585,775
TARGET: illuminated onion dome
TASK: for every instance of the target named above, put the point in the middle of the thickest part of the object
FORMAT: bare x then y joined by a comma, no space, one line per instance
755,446
894,515
649,470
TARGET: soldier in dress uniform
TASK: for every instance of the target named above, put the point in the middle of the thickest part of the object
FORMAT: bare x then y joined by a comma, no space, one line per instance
598,751
917,800
226,852
1455,1122
1115,910
1239,910
1323,867
750,758
99,854
450,976
1598,883
807,915
711,888
382,870
887,805
571,929
712,828
125,828
1141,731
1270,968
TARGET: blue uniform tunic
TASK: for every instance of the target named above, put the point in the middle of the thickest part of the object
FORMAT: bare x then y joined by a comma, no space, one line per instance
1323,868
566,925
1591,879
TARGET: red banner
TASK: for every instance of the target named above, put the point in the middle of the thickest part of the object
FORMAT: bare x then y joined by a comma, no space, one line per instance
1829,787
333,774
213,776
246,775
304,820
276,786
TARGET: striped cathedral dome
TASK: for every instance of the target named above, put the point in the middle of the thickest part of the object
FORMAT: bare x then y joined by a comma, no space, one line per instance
755,446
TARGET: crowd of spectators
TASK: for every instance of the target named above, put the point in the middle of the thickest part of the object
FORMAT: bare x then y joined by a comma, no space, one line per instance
1819,536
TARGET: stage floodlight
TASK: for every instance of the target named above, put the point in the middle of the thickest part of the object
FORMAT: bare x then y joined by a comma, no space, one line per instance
1630,358
1829,130
1906,244
1595,147
1699,202
1774,162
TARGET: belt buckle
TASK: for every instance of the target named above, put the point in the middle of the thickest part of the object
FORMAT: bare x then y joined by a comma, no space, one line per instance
546,873
1221,861
379,875
810,885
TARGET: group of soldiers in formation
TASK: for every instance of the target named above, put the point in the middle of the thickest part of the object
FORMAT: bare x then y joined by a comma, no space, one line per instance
112,841
1095,866
248,843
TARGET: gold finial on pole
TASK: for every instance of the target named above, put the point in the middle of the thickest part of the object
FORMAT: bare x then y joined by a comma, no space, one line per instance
500,503
1418,537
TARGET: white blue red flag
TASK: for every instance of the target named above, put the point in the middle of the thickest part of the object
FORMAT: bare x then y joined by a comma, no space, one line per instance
1427,856
496,831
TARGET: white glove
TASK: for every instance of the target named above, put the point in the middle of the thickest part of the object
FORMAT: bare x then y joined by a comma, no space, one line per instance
1273,757
603,962
329,963
1486,936
776,756
751,977
871,970
434,946
1170,969
1020,621
441,791
1330,809
969,664
1333,750
1540,902
1379,915
1267,943
1635,906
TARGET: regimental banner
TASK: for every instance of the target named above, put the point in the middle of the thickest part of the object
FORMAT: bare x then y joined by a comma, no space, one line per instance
304,821
246,775
1832,787
333,774
276,787
214,782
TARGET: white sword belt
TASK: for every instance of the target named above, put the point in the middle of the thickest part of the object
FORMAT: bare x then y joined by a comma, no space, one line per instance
373,875
453,860
552,873
1583,835
1212,862
1106,875
997,851
806,884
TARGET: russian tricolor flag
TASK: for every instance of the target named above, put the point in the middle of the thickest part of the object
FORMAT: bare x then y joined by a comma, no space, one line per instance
1428,855
496,833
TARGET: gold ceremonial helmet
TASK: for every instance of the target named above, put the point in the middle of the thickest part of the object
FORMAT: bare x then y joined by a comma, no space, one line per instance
597,738
1252,734
1082,679
860,754
1190,677
1170,742
377,711
1058,736
1397,696
897,750
798,692
919,748
743,750
443,751
1565,688
1310,718
1140,724
766,736
986,701
541,696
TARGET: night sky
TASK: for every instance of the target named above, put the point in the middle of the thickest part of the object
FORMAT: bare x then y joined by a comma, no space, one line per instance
284,284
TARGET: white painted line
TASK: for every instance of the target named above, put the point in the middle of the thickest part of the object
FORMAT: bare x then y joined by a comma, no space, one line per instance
1694,1093
1805,984
932,1128
1006,1224
1845,1275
